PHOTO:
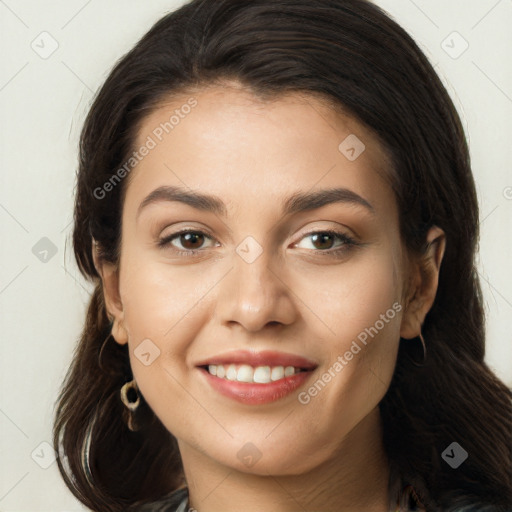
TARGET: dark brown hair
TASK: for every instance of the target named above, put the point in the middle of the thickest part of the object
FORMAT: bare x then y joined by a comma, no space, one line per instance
353,54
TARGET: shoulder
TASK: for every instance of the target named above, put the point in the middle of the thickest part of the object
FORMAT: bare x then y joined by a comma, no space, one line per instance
176,501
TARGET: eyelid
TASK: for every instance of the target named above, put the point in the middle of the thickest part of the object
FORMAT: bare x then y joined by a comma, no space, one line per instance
347,241
166,240
340,230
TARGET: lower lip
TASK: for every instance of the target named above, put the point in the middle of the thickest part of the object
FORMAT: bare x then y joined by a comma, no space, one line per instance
255,393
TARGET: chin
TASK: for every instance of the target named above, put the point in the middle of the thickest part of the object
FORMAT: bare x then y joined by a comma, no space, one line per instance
265,458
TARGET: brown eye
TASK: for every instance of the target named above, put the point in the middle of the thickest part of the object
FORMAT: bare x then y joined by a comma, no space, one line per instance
191,240
322,240
186,242
327,241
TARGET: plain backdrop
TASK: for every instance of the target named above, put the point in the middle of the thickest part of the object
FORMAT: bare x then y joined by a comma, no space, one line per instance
44,99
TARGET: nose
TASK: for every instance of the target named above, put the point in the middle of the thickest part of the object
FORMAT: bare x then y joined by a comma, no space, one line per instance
254,296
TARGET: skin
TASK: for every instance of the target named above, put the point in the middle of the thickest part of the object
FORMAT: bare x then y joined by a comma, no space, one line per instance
323,455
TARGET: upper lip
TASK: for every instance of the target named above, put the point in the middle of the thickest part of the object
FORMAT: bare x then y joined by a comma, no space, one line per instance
262,358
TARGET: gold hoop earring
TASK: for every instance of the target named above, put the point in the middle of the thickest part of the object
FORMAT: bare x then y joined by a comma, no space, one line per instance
422,363
131,403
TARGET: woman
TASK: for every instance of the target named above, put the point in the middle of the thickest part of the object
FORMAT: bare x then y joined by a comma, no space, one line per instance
230,360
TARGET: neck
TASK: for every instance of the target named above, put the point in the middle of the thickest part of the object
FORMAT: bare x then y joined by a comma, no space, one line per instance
354,478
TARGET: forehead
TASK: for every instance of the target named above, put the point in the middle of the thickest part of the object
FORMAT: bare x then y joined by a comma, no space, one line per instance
228,142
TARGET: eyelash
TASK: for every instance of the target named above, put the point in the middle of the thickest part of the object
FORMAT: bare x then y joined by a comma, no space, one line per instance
348,243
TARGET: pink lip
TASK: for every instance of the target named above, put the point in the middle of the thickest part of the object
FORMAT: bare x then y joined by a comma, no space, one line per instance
263,358
256,393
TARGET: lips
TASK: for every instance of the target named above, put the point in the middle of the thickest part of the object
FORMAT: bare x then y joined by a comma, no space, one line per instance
256,377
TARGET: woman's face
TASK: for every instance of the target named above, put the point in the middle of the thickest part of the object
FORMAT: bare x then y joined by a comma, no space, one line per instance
267,288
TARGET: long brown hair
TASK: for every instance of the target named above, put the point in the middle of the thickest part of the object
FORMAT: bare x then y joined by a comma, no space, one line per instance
351,53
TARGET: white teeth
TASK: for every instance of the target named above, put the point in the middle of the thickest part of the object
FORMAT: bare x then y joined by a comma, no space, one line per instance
262,374
246,373
277,373
231,372
289,370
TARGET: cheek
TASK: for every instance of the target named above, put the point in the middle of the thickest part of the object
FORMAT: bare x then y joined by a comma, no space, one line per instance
351,297
361,306
165,308
159,299
160,304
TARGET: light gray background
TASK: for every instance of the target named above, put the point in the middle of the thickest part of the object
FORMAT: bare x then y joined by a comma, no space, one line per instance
43,102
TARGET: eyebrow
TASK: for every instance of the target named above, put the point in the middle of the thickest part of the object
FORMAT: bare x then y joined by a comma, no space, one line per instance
297,202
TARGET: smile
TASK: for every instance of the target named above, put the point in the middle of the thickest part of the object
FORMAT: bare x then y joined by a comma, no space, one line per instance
256,378
246,373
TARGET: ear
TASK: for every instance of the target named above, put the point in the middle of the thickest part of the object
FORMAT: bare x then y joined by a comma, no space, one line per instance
109,274
423,283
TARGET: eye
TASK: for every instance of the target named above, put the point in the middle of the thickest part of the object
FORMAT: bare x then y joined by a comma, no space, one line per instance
323,241
189,240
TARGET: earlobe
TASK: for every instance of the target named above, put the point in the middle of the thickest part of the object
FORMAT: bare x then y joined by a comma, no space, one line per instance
425,282
109,275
